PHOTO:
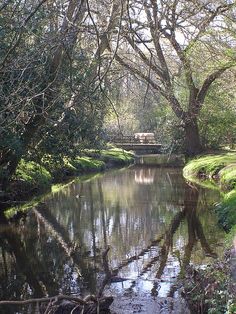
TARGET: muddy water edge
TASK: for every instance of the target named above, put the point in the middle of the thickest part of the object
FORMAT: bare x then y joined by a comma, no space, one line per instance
153,221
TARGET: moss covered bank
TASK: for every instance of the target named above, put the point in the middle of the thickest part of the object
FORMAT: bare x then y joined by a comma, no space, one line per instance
33,178
213,290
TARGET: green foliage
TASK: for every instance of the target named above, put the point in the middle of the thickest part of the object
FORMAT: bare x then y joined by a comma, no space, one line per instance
210,290
169,131
30,53
134,107
58,166
76,131
226,210
217,121
117,156
230,236
33,175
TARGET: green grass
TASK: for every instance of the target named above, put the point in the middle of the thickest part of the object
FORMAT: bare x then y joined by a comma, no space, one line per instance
87,164
221,166
33,175
117,156
227,177
220,170
61,168
226,210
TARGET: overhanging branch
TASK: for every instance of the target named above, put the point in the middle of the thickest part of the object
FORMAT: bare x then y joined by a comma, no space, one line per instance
209,80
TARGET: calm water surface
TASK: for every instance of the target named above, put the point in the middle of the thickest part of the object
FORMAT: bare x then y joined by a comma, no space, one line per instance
153,221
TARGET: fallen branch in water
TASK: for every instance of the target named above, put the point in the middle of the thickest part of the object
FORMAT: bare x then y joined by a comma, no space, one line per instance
42,300
71,304
67,304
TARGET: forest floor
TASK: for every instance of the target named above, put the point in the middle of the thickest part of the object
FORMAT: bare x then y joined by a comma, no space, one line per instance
213,290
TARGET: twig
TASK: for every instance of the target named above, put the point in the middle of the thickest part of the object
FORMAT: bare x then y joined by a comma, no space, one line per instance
75,309
196,286
48,306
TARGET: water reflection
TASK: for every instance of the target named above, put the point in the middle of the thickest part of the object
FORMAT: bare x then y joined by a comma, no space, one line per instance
154,222
144,176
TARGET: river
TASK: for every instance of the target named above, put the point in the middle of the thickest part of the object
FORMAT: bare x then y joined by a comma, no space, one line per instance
153,221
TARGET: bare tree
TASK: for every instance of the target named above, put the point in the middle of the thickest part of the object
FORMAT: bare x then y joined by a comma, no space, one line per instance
161,41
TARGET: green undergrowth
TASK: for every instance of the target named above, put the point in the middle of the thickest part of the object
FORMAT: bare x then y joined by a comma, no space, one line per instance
117,156
210,290
226,210
64,167
32,177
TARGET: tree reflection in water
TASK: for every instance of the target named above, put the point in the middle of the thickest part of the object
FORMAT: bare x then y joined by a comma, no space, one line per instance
149,217
195,234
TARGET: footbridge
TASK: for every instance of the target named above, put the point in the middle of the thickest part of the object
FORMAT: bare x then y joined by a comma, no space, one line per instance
140,143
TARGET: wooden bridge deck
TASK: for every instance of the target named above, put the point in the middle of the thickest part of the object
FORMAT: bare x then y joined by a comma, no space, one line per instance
140,147
130,143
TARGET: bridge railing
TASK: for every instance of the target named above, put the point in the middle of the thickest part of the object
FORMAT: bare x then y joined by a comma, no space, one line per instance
124,139
134,140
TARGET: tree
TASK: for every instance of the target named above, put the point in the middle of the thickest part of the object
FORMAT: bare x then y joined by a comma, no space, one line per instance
51,64
134,104
31,67
160,41
217,120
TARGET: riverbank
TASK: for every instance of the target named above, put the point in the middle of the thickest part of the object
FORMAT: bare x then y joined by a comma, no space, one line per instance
34,178
213,289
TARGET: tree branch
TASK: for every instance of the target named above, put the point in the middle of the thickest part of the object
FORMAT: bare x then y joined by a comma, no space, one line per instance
167,94
147,61
208,81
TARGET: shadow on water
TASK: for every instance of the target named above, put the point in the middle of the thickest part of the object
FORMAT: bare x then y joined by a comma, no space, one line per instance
154,222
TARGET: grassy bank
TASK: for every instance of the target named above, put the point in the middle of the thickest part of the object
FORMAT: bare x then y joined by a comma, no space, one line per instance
33,178
213,290
218,171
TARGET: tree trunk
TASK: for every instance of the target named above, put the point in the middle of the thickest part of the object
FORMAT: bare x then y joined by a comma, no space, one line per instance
192,138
